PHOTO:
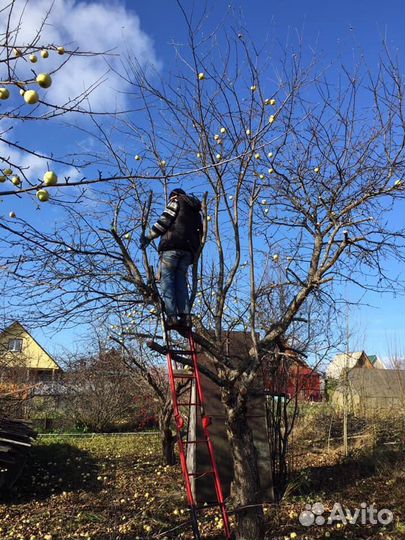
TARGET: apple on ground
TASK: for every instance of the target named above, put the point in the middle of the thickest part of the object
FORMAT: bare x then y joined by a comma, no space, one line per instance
50,178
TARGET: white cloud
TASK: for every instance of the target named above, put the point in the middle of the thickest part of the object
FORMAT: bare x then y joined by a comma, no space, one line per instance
95,26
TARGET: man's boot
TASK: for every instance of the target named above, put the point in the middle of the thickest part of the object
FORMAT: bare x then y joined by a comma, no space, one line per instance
171,321
185,320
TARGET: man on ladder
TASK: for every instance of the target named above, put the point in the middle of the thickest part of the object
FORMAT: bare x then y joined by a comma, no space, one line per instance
180,229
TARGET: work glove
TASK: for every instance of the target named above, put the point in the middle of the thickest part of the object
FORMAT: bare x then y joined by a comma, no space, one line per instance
144,241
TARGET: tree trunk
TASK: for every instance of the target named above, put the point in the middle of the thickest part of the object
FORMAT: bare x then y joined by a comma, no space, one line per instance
167,438
246,490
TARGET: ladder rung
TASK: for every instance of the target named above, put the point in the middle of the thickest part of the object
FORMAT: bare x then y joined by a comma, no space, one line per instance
200,441
182,374
200,474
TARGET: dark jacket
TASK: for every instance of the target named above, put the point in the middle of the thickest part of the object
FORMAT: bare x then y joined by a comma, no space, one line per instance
185,230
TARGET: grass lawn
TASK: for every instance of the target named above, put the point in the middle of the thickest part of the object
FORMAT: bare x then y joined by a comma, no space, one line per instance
108,488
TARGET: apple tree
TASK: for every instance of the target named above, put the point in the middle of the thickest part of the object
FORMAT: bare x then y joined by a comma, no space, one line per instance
301,171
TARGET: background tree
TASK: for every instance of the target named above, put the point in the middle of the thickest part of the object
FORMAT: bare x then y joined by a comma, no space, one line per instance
302,167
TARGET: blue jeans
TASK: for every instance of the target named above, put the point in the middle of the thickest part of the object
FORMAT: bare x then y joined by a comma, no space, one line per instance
173,281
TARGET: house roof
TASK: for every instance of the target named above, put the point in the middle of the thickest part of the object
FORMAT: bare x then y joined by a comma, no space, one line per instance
343,361
376,361
18,324
378,383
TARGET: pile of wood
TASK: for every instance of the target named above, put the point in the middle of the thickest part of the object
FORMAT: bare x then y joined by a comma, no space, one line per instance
16,437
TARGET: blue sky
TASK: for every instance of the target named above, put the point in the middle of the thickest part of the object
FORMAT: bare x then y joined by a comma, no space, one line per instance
339,30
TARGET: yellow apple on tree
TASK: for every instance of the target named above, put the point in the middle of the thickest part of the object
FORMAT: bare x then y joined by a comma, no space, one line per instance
43,195
31,97
44,80
4,93
127,236
7,172
44,53
163,163
22,91
253,88
218,156
261,176
222,130
248,132
16,180
275,257
17,53
199,155
271,119
201,76
12,214
216,136
137,158
271,171
3,178
257,155
270,154
272,101
209,218
50,178
316,170
33,58
61,50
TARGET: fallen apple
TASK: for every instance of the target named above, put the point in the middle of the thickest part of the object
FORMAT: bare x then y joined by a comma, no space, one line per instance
44,80
50,178
4,93
43,195
31,97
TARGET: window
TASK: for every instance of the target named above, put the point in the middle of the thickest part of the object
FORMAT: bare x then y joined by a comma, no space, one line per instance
15,345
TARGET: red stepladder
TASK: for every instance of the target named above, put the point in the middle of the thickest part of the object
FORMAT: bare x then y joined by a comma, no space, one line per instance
187,381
